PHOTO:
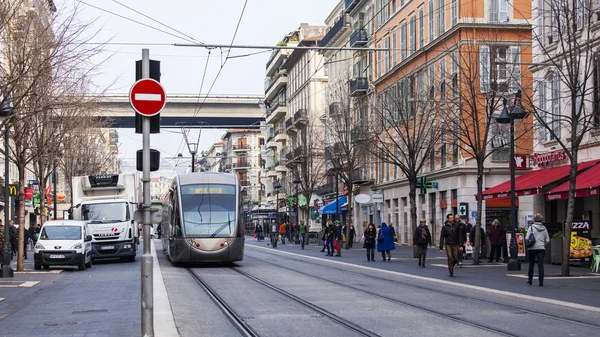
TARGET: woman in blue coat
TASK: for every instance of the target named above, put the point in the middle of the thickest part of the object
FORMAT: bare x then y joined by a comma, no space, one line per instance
385,241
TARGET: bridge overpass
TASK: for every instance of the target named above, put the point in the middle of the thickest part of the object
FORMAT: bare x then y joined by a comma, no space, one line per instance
190,111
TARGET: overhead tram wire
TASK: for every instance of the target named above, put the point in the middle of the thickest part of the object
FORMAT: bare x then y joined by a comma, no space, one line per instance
135,21
157,21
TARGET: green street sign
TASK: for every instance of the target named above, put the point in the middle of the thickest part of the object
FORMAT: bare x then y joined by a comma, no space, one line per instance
424,185
36,198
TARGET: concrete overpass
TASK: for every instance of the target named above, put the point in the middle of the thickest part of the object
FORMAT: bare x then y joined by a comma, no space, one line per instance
190,111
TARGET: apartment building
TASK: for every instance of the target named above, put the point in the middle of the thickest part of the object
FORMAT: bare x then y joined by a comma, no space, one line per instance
241,155
431,44
211,159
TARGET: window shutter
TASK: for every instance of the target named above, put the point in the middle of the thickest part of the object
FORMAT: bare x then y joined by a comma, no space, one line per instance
502,11
484,68
515,68
542,108
493,10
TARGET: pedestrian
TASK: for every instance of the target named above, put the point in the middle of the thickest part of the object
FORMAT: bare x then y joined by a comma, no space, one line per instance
497,237
352,235
451,238
274,234
538,250
369,244
1,242
282,233
159,230
394,238
258,231
324,237
338,238
302,231
385,242
14,237
25,242
458,221
421,240
329,237
481,238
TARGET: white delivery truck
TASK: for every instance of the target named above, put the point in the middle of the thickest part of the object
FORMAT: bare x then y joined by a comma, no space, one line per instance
107,203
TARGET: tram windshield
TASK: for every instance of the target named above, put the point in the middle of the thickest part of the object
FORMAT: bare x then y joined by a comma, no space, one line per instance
209,210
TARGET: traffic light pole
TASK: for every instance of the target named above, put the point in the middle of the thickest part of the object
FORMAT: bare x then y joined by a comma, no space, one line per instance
147,272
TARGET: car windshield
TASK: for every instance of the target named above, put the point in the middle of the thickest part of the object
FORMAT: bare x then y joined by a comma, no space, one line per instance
60,233
209,210
105,212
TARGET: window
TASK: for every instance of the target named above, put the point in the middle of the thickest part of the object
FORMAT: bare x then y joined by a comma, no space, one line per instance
455,143
432,153
379,60
484,68
454,12
441,16
514,67
578,12
596,90
443,79
556,105
430,28
369,26
541,27
387,54
455,73
542,108
413,40
432,81
443,141
402,41
498,11
394,47
421,28
500,68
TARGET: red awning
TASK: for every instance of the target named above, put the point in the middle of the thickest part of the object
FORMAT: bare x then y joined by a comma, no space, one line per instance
532,182
588,184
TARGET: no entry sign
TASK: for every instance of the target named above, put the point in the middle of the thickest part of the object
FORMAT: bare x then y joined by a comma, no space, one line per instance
147,97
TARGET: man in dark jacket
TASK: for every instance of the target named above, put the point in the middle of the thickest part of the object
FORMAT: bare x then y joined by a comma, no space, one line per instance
14,237
421,240
451,237
497,237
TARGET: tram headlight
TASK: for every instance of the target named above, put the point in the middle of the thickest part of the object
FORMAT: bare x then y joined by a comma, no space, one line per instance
127,246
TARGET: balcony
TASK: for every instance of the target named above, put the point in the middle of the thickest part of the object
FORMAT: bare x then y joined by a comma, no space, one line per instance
360,177
358,86
289,122
351,4
241,165
335,109
276,60
240,147
280,136
359,38
359,134
272,172
325,189
277,110
334,150
301,116
334,32
274,84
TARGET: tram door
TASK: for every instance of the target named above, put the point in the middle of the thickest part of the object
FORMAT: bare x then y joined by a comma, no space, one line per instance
176,234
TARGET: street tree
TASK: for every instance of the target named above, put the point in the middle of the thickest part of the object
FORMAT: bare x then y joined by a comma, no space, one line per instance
566,68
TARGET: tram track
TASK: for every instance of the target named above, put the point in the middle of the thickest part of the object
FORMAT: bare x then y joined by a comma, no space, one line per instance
435,312
240,324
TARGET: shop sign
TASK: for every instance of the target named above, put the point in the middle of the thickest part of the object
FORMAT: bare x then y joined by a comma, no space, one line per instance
543,159
581,245
520,243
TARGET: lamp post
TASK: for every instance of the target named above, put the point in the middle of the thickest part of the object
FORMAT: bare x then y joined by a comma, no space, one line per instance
296,181
277,186
506,117
6,109
337,195
59,154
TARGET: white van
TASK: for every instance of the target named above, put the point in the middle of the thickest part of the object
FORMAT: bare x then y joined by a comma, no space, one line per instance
63,242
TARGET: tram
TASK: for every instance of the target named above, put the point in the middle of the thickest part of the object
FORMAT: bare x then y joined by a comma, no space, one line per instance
203,219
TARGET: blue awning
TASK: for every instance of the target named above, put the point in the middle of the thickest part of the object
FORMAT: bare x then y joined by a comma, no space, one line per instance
330,207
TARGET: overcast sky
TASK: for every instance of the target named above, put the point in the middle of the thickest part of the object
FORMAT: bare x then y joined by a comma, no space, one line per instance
264,22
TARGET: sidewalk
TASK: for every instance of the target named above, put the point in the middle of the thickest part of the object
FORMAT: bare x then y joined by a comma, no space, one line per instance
101,301
582,287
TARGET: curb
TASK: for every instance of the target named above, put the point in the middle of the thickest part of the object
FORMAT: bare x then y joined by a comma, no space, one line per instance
164,323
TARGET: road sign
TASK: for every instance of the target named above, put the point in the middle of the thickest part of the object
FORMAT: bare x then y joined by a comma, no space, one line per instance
424,185
147,97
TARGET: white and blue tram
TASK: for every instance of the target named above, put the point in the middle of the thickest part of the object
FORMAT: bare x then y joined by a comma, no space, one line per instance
203,219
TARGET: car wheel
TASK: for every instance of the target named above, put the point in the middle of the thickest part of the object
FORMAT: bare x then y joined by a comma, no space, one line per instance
81,265
89,264
45,266
37,266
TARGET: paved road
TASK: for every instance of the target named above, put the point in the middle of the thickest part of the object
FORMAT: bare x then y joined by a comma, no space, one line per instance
350,296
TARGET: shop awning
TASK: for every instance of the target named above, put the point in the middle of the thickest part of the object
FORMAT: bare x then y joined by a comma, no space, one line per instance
587,184
532,182
330,207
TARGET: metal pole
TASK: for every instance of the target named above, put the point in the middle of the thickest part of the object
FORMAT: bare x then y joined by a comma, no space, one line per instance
193,160
7,270
54,187
337,196
277,206
513,263
147,286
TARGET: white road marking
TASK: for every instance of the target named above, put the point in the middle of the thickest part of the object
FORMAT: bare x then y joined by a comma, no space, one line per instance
28,284
557,277
1,299
470,265
460,285
148,97
53,271
164,323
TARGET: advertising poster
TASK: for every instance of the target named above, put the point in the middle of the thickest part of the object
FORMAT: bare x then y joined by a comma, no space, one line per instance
581,245
520,244
468,245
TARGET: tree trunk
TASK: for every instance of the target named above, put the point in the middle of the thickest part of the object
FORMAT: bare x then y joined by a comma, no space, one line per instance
20,249
478,237
349,212
566,243
412,194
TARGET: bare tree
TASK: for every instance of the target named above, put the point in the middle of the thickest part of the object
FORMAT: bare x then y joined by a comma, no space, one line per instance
344,135
566,103
406,129
51,52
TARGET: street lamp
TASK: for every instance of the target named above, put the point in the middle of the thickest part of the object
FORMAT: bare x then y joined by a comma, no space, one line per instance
277,186
506,117
59,155
296,181
6,110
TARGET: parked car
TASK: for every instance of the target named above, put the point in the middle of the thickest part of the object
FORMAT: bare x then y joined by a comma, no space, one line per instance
63,242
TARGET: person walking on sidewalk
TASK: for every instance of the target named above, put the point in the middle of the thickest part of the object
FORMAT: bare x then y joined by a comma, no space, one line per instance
385,242
394,238
370,235
302,230
351,236
421,240
259,232
451,237
338,238
329,237
282,233
14,237
274,234
25,242
538,250
461,256
497,237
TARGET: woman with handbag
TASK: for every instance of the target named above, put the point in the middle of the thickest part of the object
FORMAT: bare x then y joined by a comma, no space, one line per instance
370,235
537,247
385,242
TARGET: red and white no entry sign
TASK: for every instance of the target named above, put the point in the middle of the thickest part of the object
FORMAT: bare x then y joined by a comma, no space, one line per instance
147,97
